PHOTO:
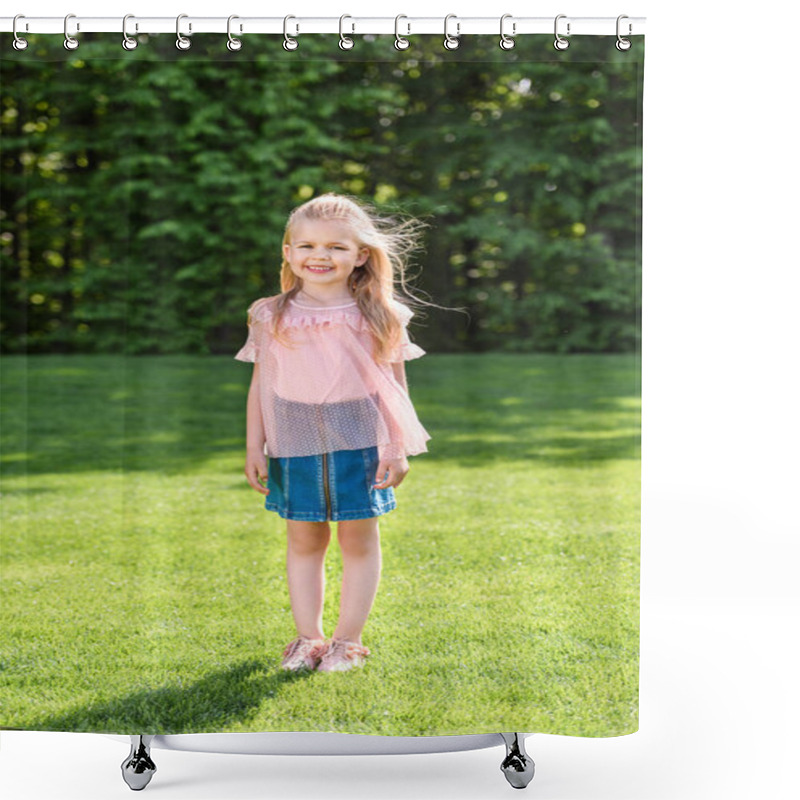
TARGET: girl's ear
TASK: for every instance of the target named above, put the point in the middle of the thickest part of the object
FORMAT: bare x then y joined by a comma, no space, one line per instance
286,249
363,257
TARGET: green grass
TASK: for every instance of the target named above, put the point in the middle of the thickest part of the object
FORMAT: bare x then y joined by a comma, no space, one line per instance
143,583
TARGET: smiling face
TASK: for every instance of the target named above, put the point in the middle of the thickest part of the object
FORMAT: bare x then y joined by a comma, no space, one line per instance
324,253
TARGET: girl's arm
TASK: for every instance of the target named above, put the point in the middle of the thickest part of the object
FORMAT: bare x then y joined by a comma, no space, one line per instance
397,468
256,462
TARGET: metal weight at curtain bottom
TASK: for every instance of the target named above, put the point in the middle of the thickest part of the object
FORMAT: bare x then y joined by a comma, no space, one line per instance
517,766
138,768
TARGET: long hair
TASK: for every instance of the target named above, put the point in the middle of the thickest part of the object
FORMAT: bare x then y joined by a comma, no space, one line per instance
376,283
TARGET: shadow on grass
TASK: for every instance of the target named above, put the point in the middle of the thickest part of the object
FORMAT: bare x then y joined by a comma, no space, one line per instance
171,414
556,451
67,414
222,698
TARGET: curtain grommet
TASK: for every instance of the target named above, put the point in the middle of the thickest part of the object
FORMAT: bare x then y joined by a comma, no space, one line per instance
128,42
19,43
288,42
451,42
507,42
561,43
345,42
233,44
401,43
182,42
70,42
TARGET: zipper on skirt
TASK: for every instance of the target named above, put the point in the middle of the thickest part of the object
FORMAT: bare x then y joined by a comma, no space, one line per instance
325,486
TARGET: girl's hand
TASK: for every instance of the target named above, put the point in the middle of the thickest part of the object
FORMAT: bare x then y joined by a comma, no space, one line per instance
255,469
397,469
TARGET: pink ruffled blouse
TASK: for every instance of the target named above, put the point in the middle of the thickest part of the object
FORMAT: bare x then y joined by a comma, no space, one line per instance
323,390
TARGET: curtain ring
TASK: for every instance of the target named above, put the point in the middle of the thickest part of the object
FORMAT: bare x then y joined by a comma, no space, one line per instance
623,44
399,42
70,43
19,42
182,42
451,42
345,42
288,42
507,42
128,43
561,43
234,44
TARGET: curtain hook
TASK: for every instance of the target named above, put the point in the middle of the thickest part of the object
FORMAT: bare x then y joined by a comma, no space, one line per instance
19,42
288,42
561,43
128,43
234,44
182,42
623,44
345,42
451,42
399,42
507,42
70,43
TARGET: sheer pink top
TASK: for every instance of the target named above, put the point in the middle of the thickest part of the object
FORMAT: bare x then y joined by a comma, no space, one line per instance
323,390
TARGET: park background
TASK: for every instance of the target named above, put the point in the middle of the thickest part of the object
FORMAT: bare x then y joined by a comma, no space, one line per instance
146,195
694,608
146,200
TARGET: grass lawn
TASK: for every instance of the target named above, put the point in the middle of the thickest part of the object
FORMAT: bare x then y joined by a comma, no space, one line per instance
143,582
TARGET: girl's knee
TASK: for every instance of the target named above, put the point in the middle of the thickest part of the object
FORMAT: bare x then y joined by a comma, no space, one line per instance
308,538
359,537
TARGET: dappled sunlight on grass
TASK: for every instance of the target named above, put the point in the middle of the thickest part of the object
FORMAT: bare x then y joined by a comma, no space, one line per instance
144,584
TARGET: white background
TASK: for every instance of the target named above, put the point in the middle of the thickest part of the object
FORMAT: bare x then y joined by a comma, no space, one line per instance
719,696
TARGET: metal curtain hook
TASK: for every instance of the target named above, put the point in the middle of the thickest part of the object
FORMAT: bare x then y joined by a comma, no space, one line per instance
128,43
288,42
345,42
234,44
182,43
451,42
19,42
69,42
399,42
623,44
506,41
561,43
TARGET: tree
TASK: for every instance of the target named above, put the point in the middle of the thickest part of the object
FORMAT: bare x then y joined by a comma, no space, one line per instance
145,193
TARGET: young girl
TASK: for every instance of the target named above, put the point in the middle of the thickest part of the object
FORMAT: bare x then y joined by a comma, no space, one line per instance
328,406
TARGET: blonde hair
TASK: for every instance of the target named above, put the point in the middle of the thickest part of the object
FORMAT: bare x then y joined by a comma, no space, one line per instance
376,283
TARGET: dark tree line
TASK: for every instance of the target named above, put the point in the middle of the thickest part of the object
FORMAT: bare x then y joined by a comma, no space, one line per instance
144,194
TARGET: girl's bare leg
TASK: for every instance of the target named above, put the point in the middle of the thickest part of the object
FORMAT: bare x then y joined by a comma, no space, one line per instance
361,572
307,543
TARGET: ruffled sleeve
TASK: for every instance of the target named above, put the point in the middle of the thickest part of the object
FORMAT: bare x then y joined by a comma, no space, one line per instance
405,350
258,316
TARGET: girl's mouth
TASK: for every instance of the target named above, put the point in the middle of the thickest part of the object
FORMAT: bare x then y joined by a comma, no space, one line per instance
319,269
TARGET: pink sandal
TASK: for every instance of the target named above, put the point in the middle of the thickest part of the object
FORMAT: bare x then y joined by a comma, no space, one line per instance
342,655
302,653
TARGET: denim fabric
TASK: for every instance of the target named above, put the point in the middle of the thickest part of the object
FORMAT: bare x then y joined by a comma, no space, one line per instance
297,486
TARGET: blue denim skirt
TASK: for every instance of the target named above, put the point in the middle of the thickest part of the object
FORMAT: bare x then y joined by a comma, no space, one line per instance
331,486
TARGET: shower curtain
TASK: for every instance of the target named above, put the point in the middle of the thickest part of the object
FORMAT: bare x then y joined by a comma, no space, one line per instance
144,199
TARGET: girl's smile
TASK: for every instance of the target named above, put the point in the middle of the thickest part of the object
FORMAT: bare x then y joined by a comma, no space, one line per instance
324,253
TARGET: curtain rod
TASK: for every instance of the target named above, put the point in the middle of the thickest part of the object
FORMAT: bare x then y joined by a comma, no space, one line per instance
403,25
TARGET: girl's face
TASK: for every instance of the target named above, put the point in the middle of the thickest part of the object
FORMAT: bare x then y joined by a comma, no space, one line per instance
323,253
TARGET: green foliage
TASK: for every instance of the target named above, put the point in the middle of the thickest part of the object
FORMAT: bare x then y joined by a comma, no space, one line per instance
145,193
